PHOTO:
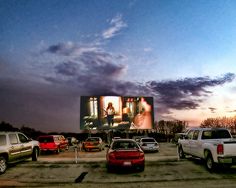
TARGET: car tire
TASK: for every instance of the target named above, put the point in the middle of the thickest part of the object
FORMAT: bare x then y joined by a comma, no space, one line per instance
35,154
181,152
210,164
3,165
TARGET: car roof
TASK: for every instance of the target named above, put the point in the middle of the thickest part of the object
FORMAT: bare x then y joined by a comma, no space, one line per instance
207,128
147,138
9,132
45,136
124,139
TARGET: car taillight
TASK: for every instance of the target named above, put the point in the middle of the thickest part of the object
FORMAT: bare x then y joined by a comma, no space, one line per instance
112,155
220,149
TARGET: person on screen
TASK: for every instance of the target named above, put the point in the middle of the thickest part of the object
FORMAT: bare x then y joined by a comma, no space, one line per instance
110,112
143,120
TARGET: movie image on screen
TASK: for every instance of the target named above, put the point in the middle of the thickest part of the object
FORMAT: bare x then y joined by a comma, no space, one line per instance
116,112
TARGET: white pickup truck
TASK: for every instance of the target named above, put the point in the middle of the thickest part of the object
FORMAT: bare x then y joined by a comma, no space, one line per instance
214,145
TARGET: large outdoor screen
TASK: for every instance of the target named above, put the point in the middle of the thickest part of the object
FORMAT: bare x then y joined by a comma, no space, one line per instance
116,112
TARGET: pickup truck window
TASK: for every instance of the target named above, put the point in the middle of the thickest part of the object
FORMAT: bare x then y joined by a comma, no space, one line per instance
215,134
190,134
13,139
3,140
195,135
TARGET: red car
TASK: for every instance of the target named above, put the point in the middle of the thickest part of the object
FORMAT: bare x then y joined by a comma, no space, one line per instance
125,153
52,143
93,143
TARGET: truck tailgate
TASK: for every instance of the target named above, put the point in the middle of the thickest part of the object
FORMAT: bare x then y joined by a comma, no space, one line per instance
230,148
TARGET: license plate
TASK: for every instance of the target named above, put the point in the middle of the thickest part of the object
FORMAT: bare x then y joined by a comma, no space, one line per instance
127,163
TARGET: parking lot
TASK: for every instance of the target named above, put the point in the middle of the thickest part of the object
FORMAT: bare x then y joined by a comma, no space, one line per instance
162,169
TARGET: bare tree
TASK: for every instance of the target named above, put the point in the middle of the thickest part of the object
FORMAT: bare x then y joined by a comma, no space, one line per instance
224,122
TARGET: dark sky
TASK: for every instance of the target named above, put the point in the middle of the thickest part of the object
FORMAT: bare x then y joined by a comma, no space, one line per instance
52,52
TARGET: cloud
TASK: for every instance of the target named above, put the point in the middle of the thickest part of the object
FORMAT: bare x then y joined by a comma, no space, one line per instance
97,72
185,93
61,48
116,24
70,49
212,109
67,68
147,49
232,111
86,62
54,105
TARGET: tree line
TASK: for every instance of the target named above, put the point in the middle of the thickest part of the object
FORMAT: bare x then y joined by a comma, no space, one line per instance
163,129
167,129
221,122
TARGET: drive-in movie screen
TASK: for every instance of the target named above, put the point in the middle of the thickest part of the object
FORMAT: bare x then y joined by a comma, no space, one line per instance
116,112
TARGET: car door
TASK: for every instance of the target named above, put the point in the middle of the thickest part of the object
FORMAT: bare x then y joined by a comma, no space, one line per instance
186,144
26,148
195,144
15,147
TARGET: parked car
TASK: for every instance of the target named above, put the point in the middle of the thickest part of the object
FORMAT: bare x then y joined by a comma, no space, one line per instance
64,143
54,143
93,143
149,144
14,147
72,141
214,145
125,153
137,138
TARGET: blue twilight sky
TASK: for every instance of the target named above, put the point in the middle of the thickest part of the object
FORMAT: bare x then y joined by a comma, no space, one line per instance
180,52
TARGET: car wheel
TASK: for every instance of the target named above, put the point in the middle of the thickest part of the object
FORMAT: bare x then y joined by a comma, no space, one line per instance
35,154
210,165
181,152
3,165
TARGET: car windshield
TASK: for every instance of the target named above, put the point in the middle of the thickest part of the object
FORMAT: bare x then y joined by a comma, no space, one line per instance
124,145
148,140
93,139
